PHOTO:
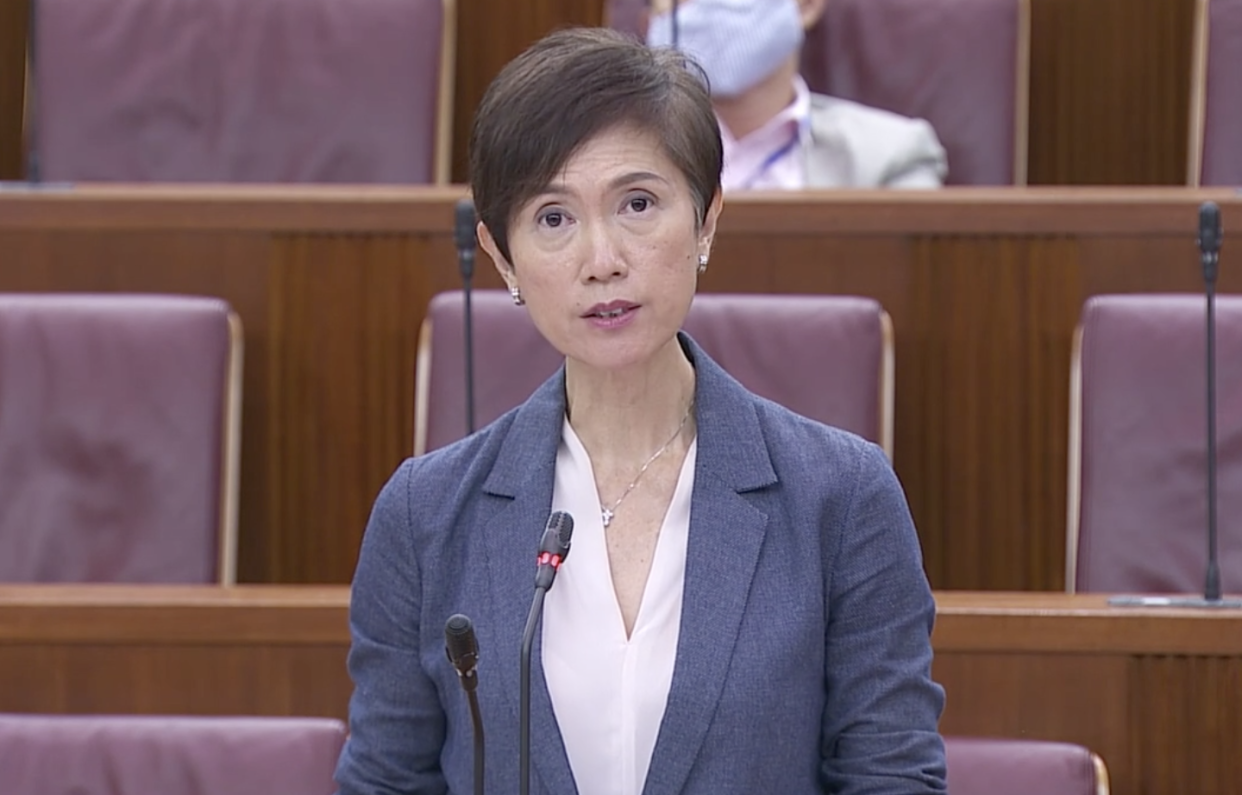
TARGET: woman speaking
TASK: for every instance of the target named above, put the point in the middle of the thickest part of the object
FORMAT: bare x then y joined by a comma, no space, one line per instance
745,609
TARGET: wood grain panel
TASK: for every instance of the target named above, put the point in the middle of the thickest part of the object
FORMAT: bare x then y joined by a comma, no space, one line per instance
181,650
343,333
14,20
993,323
1156,692
1188,696
1082,699
490,33
183,680
1110,91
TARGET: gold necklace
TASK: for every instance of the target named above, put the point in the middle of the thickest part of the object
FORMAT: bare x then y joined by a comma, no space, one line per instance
607,513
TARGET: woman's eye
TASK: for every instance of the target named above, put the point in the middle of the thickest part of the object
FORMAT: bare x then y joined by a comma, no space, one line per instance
639,203
552,219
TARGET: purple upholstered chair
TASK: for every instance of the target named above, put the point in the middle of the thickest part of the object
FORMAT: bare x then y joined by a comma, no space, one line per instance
354,91
1138,445
826,357
119,431
986,766
168,755
1216,95
961,64
627,16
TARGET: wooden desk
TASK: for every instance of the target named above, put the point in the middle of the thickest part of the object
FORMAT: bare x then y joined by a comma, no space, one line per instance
1158,694
984,288
250,650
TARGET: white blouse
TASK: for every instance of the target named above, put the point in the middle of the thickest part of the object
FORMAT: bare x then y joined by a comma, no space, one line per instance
609,692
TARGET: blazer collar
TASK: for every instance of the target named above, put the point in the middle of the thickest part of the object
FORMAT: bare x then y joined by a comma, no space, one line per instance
730,442
726,532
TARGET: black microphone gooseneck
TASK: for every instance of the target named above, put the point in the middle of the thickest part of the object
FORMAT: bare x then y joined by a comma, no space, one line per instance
462,649
464,235
676,24
1209,257
553,549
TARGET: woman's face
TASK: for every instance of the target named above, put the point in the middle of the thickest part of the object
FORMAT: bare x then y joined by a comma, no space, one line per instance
606,257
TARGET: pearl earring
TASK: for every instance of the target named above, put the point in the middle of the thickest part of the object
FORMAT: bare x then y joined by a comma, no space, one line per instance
702,263
517,296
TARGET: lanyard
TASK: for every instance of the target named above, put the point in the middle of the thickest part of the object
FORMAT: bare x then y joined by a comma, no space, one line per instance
771,160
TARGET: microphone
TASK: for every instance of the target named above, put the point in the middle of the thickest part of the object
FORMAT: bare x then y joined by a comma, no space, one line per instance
675,23
462,649
1209,257
553,549
1210,235
464,223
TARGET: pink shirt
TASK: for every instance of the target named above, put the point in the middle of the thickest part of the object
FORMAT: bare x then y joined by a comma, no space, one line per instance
609,691
770,158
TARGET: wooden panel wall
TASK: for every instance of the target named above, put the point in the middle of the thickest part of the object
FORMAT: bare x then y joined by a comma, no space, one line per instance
1109,81
1110,91
490,33
13,26
984,288
1154,693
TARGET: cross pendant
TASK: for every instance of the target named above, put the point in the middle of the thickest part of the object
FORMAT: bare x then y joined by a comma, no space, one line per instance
606,515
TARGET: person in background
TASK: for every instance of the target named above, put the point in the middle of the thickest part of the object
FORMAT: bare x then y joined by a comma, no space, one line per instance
745,610
777,134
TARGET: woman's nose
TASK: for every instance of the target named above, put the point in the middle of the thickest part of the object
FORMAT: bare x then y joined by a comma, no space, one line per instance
605,259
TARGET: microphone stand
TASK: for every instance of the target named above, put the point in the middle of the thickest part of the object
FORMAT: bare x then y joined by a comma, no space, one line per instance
1209,255
464,233
462,649
528,638
553,549
1210,234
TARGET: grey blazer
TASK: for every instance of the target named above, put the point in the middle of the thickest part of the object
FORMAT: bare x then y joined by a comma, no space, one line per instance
804,659
849,145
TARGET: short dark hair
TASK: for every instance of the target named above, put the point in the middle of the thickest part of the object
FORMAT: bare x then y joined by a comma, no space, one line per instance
566,89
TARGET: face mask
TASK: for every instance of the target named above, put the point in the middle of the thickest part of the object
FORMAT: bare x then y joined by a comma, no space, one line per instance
737,42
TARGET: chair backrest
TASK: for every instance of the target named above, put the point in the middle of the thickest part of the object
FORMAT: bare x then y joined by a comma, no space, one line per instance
961,64
280,91
119,437
990,766
1216,95
169,755
627,16
829,358
1137,508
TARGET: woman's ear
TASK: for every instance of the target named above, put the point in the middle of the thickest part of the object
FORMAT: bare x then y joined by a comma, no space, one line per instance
811,11
503,266
707,233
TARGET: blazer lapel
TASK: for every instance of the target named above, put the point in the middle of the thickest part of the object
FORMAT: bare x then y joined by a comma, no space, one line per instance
826,160
525,472
726,534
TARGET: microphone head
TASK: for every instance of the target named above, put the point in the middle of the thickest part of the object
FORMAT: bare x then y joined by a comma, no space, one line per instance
557,535
464,225
553,548
1210,232
460,643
